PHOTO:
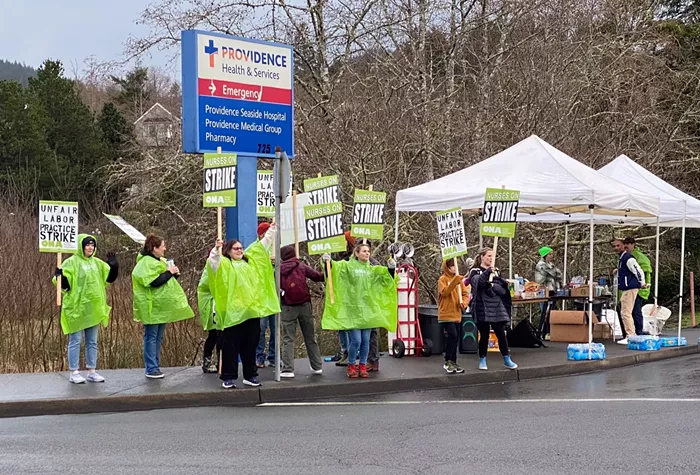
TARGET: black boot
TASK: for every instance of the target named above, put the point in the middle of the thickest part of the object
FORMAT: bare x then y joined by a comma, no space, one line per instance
208,366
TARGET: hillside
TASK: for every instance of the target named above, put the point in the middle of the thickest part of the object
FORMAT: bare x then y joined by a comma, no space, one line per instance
12,71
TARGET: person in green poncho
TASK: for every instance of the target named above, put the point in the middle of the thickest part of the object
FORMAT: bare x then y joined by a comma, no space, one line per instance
158,300
84,280
365,298
205,302
243,286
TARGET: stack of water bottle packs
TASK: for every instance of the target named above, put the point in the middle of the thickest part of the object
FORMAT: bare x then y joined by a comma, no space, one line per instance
644,343
579,351
670,341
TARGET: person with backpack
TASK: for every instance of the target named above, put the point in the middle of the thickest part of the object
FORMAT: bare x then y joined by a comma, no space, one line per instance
453,299
491,306
296,308
83,280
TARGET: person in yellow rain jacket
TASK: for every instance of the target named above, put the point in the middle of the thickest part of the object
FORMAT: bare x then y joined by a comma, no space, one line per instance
84,278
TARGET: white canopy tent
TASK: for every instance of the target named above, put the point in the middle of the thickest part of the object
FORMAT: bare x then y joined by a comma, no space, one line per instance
677,210
549,182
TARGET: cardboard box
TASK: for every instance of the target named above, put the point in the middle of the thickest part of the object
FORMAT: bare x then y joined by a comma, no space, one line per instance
569,326
602,331
580,291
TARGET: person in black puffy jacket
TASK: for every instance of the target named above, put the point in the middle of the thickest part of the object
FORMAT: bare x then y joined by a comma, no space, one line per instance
491,306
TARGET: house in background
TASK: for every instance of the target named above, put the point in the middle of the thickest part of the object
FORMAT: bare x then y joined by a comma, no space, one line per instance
157,127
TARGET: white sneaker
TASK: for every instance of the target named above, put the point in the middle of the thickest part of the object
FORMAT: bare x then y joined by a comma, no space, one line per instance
94,377
76,378
286,374
316,371
622,342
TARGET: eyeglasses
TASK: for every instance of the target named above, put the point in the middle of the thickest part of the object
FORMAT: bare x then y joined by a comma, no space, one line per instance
236,248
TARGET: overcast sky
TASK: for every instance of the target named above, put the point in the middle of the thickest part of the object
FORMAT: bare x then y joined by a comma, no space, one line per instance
71,31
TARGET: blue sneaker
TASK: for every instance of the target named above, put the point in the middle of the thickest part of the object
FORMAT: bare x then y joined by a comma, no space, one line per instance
508,363
482,364
228,384
255,382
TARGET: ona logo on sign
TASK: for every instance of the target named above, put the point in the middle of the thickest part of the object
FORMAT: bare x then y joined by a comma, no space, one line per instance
214,200
321,247
362,231
492,229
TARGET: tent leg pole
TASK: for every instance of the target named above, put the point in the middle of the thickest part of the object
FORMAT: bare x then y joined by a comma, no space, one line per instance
396,227
656,267
590,289
680,293
510,258
566,258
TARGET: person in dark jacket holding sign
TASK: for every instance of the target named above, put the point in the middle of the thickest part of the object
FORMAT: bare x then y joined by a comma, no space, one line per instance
491,306
296,307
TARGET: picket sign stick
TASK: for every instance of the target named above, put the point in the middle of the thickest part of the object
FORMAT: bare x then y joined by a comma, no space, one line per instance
495,249
296,225
370,188
59,280
330,282
219,218
493,263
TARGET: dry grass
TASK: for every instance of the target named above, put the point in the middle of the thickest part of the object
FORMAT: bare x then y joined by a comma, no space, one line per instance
31,339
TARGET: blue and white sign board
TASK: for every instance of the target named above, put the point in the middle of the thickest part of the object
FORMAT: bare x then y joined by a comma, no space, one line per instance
237,94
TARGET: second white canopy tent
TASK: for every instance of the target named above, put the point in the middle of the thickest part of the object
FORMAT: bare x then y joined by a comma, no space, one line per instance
677,210
550,182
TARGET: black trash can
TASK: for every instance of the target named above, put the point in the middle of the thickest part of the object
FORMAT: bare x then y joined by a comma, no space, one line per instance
430,328
468,335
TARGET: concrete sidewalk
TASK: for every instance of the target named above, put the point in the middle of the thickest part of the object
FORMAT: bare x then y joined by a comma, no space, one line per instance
128,390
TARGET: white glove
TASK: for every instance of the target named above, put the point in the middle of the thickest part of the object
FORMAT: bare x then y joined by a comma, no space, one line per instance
326,257
391,263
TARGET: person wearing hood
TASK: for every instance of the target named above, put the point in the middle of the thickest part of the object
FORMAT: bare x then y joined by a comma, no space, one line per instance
453,299
491,306
550,277
365,298
84,279
158,300
296,307
243,286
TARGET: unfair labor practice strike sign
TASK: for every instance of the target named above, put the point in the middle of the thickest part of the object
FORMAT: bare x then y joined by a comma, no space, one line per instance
266,194
323,190
220,180
324,228
368,214
58,226
453,242
500,213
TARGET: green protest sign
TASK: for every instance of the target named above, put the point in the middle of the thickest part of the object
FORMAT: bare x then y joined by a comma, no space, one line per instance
368,214
500,213
220,180
453,241
323,190
58,226
324,228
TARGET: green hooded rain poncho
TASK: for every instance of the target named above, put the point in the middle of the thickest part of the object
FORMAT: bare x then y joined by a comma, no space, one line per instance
243,290
85,304
365,297
155,305
205,302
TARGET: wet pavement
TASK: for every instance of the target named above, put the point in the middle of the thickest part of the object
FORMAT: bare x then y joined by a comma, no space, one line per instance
644,419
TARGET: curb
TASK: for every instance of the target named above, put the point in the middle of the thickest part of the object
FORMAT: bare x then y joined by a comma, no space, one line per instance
251,397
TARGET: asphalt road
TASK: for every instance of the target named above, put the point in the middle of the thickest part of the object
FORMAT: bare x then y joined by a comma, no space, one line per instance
644,419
